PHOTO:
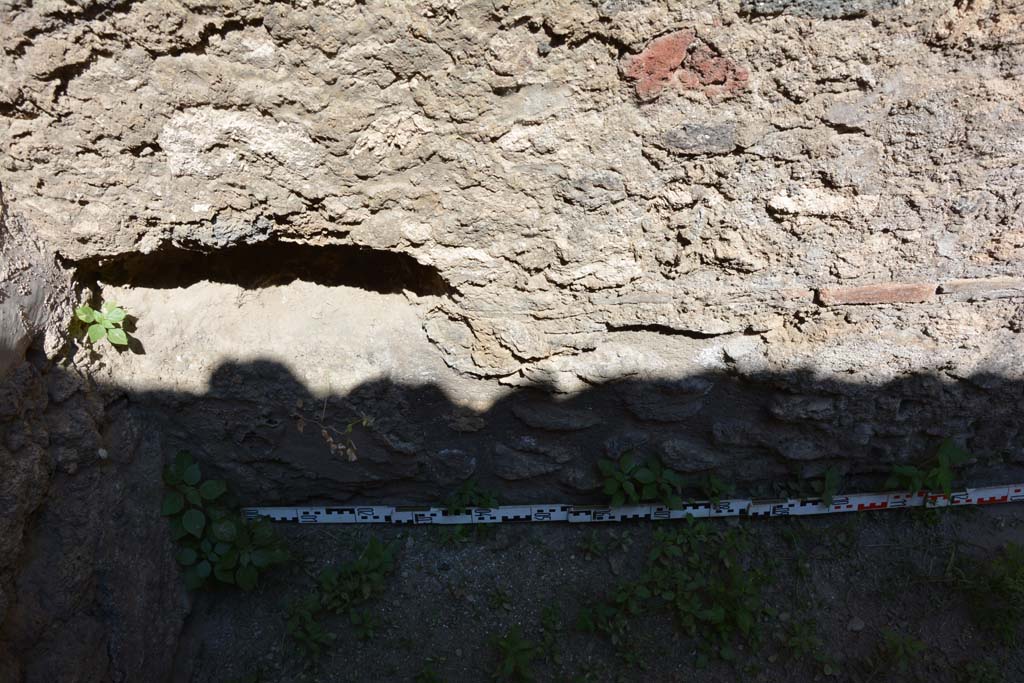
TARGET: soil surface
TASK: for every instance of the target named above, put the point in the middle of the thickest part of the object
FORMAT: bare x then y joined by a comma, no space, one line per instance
840,583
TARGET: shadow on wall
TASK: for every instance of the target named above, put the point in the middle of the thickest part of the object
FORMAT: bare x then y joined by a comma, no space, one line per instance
86,561
280,444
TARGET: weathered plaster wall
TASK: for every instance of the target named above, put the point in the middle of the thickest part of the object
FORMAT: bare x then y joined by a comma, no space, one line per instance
572,170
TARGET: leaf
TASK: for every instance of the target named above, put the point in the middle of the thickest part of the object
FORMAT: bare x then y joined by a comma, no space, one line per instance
192,474
192,496
953,454
230,559
84,313
618,499
117,336
194,521
611,486
224,573
187,556
246,577
716,614
644,476
96,332
213,489
607,467
116,314
261,558
225,530
745,620
672,478
177,529
262,533
108,306
203,569
173,504
630,490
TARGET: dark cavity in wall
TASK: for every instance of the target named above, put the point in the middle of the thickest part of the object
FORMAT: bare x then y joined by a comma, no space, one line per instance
267,264
821,9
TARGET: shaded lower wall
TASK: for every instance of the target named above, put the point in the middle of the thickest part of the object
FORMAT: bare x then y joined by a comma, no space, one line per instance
89,590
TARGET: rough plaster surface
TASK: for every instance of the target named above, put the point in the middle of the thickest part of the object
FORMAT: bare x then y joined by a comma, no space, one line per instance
524,151
761,236
35,293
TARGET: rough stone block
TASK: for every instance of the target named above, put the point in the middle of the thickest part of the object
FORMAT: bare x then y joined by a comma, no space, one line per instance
888,293
975,289
824,9
687,454
555,419
512,464
699,139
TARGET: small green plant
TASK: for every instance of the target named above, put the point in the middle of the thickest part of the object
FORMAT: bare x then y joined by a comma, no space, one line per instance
607,620
801,640
695,574
342,590
899,652
356,582
620,542
428,675
500,600
591,547
979,671
468,495
516,655
364,622
108,322
215,543
551,628
589,673
828,486
802,643
936,476
628,481
996,593
305,629
714,489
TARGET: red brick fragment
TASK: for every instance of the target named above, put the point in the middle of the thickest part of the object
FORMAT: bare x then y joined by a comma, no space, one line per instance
681,60
654,68
886,293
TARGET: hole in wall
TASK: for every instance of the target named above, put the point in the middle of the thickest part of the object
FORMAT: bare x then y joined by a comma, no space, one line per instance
266,264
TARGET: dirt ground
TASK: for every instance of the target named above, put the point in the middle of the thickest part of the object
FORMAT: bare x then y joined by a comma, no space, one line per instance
867,597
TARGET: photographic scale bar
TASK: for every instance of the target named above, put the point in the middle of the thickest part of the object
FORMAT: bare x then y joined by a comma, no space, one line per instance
735,507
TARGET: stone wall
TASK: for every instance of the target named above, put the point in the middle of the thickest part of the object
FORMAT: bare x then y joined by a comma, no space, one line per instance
753,237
